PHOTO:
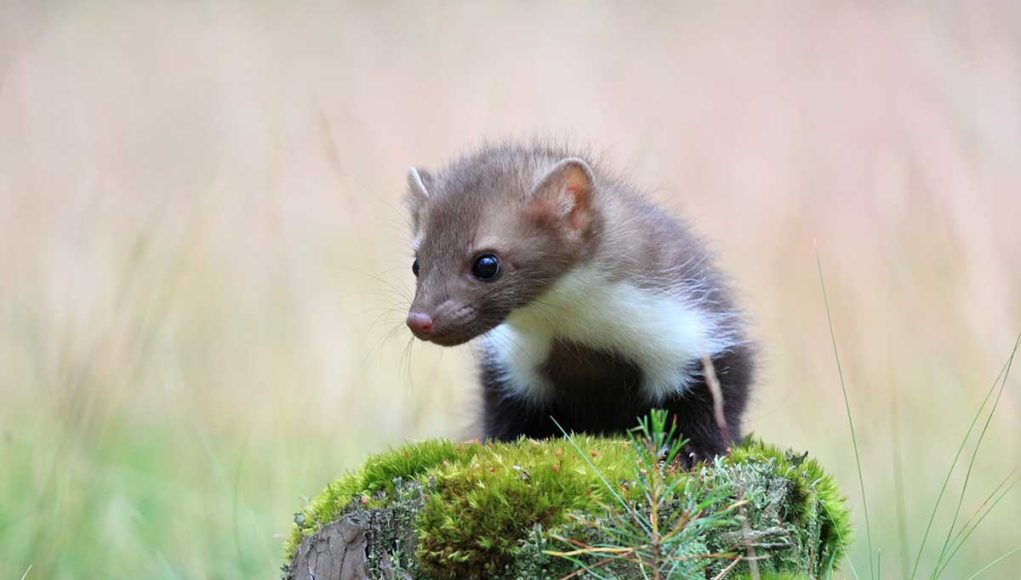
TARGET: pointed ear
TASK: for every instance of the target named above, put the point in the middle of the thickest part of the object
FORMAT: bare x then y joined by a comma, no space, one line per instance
564,196
417,182
418,189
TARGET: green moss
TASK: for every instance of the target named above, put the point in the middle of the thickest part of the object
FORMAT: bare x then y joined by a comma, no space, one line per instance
474,521
376,476
494,510
408,462
817,495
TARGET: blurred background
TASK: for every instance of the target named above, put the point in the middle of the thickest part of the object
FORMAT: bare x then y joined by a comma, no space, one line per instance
204,262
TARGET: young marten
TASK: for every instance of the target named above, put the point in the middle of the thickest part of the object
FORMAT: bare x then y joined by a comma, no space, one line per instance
590,304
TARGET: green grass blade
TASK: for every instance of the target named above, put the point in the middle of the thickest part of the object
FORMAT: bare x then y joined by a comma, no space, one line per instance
828,572
974,455
985,505
993,563
847,408
970,526
904,556
950,471
620,499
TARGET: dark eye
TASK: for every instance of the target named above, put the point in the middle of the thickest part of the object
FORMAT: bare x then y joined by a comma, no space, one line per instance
414,267
486,267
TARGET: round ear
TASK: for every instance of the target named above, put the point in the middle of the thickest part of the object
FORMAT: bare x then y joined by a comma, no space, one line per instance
564,195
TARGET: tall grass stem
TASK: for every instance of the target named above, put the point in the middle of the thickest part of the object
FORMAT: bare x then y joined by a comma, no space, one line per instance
847,408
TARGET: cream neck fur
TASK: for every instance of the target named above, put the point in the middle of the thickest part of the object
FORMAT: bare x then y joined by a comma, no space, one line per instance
663,333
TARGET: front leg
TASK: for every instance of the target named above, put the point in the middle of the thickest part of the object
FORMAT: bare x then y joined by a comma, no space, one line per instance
696,422
696,417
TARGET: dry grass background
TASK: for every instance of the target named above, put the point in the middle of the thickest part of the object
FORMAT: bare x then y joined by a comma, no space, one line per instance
202,250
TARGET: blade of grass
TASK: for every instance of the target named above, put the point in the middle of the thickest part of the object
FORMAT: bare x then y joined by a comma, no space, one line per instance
898,486
828,572
993,563
983,506
950,471
969,527
582,567
847,408
723,573
974,454
601,477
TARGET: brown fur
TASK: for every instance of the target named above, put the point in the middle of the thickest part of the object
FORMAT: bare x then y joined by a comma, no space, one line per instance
543,211
497,200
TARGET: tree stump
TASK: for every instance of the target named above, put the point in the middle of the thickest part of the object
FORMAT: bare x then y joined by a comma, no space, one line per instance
559,507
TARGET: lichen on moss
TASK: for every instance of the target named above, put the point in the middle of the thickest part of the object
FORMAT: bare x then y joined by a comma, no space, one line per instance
377,475
818,502
498,509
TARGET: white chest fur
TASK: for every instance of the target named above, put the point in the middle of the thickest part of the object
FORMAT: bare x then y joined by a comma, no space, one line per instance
662,333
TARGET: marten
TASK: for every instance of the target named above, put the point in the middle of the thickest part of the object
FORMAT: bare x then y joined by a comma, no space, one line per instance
588,304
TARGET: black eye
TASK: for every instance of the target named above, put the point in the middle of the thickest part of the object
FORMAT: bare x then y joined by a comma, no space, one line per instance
414,267
486,267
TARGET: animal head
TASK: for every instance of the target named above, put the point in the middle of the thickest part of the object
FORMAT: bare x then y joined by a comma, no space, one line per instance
491,233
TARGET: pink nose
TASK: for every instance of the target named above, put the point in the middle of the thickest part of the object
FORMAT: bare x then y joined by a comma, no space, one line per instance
420,323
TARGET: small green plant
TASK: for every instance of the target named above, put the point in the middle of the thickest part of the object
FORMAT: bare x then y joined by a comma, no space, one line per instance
664,513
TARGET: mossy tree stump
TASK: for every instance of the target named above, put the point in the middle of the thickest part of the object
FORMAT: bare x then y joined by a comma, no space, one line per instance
551,508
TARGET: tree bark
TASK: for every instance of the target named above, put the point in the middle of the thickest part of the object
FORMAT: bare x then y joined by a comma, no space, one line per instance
338,552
